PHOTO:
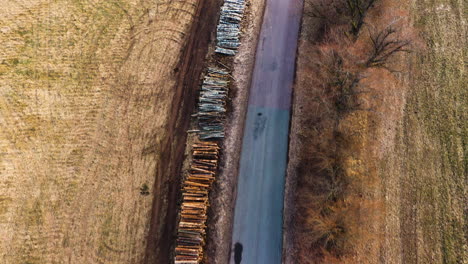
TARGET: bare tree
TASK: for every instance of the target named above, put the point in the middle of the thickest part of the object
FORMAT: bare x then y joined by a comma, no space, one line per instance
358,10
385,43
340,12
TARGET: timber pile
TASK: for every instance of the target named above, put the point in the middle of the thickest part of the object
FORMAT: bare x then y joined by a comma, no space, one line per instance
196,186
212,104
211,115
228,31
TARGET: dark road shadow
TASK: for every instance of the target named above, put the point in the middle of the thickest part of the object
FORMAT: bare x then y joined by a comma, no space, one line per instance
238,253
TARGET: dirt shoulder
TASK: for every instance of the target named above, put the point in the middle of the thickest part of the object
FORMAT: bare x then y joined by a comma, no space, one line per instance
223,194
189,68
94,107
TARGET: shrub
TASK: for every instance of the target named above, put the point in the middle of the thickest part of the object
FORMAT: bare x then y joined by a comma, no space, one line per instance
336,205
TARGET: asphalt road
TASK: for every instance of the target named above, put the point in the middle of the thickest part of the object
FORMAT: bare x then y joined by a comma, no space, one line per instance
258,217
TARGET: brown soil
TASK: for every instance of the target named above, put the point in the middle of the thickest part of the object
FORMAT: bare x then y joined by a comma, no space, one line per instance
95,101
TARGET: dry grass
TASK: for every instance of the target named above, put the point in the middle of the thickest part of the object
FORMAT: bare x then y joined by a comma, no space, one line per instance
425,172
89,100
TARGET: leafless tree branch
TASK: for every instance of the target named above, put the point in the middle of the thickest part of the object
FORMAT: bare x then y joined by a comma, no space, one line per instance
385,43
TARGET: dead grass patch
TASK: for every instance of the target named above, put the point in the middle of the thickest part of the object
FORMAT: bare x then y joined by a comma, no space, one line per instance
94,102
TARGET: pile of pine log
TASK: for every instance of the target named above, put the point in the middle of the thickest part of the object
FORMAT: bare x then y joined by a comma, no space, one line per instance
193,215
211,116
212,104
228,31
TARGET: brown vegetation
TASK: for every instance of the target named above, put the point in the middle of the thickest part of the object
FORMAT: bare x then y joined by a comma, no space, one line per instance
346,65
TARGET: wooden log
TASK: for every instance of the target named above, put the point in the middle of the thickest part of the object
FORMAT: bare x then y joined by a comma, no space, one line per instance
194,205
205,170
197,184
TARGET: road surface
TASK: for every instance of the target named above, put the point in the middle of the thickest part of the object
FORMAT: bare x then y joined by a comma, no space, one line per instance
258,217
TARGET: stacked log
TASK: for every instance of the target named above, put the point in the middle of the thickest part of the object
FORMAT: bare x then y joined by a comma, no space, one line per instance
211,116
193,215
228,31
212,104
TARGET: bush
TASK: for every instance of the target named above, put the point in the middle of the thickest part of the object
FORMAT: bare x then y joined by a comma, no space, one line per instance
335,200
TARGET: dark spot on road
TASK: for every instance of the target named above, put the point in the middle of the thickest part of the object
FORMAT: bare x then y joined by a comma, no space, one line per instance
238,248
274,66
259,125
